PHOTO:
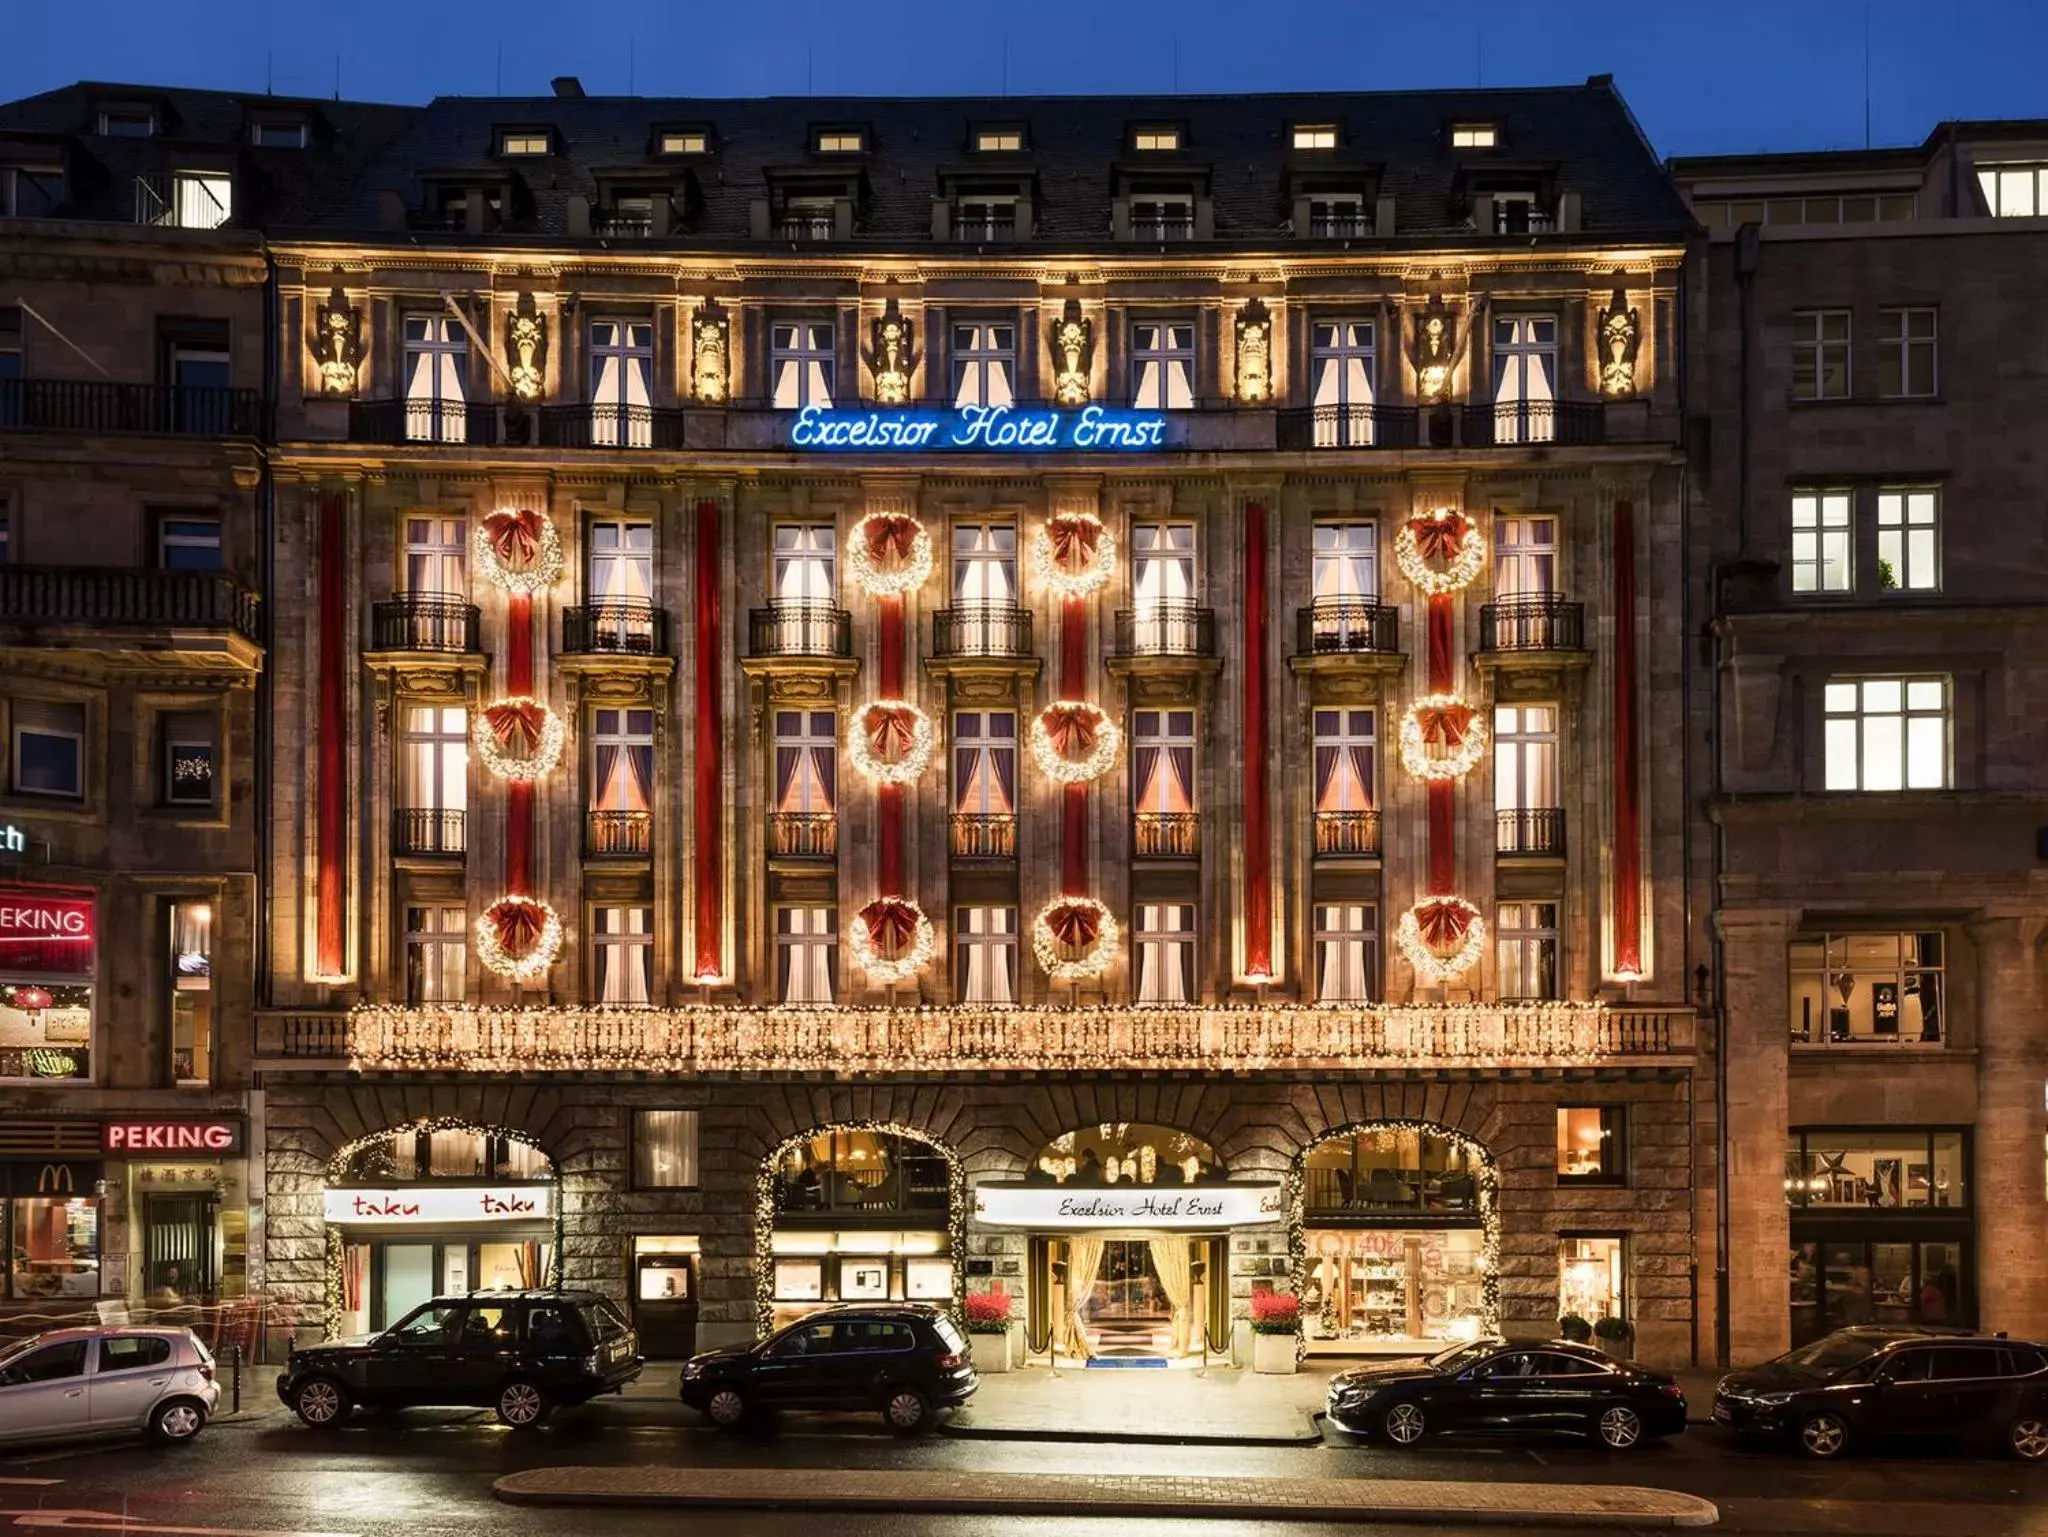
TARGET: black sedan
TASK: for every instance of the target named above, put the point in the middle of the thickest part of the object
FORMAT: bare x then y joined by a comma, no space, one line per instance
1508,1388
1900,1384
905,1360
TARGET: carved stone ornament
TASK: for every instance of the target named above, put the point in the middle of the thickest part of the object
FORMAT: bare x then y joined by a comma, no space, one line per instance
1436,350
338,344
526,349
710,353
1073,350
1254,353
1621,333
893,357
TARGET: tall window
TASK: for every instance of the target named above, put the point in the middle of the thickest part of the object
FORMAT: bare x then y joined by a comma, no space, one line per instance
622,953
1877,986
436,953
1347,562
1906,365
435,549
1163,588
621,781
985,216
806,783
1345,750
1525,945
191,984
985,955
1820,355
800,363
2014,189
806,954
1165,949
1592,1144
1524,756
436,769
621,383
1347,938
1163,216
984,564
1340,372
1909,540
1338,216
1524,556
1163,782
985,784
190,756
665,1149
1887,733
49,749
199,369
436,378
1823,541
187,541
984,363
805,563
1162,365
1524,378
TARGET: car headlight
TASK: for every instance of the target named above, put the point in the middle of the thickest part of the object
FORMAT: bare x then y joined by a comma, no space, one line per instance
692,1370
1773,1400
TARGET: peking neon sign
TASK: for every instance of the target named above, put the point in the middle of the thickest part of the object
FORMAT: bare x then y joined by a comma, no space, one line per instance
980,429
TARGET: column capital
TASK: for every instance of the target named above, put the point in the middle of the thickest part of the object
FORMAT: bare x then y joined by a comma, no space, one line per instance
1756,925
1997,928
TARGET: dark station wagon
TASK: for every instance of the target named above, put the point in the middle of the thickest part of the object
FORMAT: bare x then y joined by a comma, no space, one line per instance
904,1360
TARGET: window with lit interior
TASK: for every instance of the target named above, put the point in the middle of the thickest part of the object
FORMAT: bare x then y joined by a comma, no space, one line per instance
1886,733
1870,987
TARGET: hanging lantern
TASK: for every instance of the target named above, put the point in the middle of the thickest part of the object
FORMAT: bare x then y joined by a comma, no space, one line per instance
518,938
518,549
889,553
1074,937
1072,554
891,741
32,1001
1074,741
892,940
1441,551
1441,937
1442,737
519,737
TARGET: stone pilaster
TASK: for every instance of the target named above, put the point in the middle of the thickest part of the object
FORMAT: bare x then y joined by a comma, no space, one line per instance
1758,1003
2012,1067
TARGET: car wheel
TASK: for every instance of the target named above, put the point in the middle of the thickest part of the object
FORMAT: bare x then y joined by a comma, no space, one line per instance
179,1420
1823,1436
726,1408
906,1411
1404,1425
1620,1428
521,1404
321,1402
2028,1437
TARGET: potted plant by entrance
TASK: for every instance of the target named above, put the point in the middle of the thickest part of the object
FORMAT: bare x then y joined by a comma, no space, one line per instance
1276,1332
1574,1328
988,1321
1614,1335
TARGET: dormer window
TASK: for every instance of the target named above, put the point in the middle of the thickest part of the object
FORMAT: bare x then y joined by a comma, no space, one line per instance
278,133
985,216
688,141
808,218
1518,213
841,141
525,142
1158,139
1163,216
998,141
1315,135
1475,136
127,122
1338,216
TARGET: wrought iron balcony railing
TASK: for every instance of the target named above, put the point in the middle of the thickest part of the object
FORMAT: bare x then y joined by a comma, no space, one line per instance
1354,426
984,835
394,422
610,426
1535,622
98,405
799,629
621,628
1166,629
1165,834
803,835
115,596
425,622
617,834
983,230
1529,832
1336,626
425,830
1163,229
982,629
1506,423
804,226
1347,834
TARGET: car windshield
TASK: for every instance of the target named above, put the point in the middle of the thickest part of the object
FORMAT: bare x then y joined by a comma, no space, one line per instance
18,1348
1458,1357
1831,1354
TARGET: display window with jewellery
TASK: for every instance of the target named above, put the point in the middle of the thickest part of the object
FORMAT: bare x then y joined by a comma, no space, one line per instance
860,1215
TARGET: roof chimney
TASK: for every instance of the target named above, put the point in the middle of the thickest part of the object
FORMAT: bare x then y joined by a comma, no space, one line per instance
568,88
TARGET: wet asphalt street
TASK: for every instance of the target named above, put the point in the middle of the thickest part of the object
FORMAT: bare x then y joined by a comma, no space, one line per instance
428,1474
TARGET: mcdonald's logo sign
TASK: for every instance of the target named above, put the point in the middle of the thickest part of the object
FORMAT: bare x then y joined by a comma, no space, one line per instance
56,1179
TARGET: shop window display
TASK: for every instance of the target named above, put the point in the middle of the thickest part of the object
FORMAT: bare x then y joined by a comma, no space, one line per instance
1591,1279
1885,1170
861,1172
1840,1285
1125,1153
1392,1171
1392,1286
54,1247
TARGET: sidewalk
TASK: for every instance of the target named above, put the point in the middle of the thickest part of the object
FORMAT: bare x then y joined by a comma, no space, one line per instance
1223,1406
1356,1500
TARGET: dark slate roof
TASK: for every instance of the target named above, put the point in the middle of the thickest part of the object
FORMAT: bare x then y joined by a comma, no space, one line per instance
1578,138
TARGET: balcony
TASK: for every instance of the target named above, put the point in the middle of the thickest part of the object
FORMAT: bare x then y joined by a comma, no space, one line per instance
803,835
116,598
610,426
1166,630
608,224
984,231
1165,834
1347,834
184,199
418,831
1175,228
1340,226
979,835
799,630
615,629
425,622
1538,622
1359,426
804,226
982,629
394,422
95,405
1347,626
618,834
1529,832
1568,422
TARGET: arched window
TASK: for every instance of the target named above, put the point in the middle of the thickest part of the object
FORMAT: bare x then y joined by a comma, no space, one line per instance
429,1152
868,1173
1391,1171
1125,1153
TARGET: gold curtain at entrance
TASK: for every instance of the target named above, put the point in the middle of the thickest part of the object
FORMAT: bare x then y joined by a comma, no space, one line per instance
1170,1260
1084,1258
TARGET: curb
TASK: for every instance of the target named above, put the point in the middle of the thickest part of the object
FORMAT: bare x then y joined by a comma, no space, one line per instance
1313,1436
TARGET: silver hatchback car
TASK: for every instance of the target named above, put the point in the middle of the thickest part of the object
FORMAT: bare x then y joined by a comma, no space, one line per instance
91,1382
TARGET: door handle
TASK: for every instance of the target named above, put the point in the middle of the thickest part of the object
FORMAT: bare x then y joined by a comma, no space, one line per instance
157,1382
76,1393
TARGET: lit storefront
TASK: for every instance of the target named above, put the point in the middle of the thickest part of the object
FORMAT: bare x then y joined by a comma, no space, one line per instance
51,1222
184,1184
48,938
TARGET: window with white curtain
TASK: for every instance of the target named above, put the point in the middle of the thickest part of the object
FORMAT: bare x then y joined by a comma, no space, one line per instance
622,955
1524,378
1524,757
1340,376
621,383
665,1149
1347,940
806,954
805,563
1347,562
435,551
1887,733
985,763
1164,946
436,758
985,955
1163,781
984,363
1162,365
436,373
1346,746
622,761
1163,588
1524,556
1525,945
800,363
621,561
984,564
436,953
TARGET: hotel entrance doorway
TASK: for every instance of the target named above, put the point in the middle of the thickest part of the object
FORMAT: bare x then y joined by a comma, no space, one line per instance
1129,1298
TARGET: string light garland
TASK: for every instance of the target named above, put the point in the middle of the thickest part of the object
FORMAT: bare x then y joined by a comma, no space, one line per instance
517,549
889,553
1073,554
1053,942
1442,737
1434,964
498,937
911,955
515,718
1442,534
1091,741
891,741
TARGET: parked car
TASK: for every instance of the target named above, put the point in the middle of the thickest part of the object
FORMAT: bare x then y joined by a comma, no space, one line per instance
1508,1388
523,1353
908,1362
85,1382
1877,1384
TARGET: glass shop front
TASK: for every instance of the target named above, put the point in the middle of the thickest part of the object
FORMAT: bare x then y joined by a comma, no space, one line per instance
860,1216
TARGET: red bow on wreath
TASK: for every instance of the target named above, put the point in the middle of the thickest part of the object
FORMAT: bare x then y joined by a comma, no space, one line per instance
517,727
1074,542
890,539
1443,924
1439,538
1075,926
517,923
1444,725
892,732
516,537
1072,728
892,925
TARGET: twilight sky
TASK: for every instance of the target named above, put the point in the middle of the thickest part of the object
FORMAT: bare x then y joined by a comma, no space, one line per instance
1704,77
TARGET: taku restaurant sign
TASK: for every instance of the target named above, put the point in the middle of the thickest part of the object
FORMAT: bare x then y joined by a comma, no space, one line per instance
980,430
1174,1207
432,1206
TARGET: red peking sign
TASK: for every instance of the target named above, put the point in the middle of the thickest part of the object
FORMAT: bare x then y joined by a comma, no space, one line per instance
46,929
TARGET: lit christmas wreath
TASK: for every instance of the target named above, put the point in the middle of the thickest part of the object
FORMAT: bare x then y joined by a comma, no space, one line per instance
889,553
518,937
1074,937
1072,554
518,549
891,741
1074,741
1442,737
1441,937
892,940
1445,536
519,737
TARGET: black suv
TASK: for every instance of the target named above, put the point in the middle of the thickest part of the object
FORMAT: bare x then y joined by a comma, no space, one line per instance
1894,1383
522,1353
904,1360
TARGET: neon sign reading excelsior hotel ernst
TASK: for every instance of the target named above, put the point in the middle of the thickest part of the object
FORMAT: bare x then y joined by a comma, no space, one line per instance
985,429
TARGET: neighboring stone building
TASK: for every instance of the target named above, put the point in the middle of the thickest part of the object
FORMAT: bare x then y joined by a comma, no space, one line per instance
1871,586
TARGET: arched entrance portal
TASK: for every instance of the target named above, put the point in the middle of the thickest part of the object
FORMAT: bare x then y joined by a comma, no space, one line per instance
1396,1239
